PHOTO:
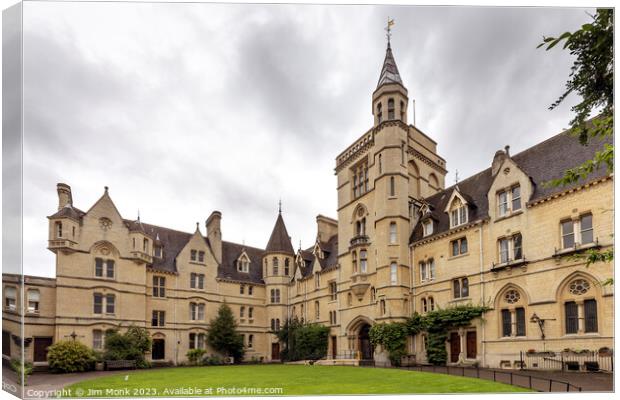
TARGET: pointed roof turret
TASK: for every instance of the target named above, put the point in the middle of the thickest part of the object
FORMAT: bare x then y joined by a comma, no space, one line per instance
280,241
389,72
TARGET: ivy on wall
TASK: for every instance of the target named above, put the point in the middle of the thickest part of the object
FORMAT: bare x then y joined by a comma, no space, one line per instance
393,336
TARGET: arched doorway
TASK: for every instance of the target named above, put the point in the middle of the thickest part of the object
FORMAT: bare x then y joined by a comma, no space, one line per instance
365,347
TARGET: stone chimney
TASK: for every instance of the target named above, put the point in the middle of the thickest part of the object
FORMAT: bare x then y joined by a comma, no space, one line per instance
64,195
498,159
326,227
214,234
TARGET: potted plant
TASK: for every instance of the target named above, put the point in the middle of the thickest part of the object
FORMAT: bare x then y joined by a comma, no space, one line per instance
605,351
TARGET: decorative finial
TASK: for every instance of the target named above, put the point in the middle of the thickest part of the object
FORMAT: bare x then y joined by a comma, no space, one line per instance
300,244
456,177
507,150
388,29
138,215
280,207
197,226
106,189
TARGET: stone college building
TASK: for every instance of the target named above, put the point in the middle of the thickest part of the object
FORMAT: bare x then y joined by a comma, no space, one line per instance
403,243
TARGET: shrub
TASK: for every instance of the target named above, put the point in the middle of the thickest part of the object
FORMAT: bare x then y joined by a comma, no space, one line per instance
392,337
70,356
303,341
194,356
213,360
128,346
22,370
223,335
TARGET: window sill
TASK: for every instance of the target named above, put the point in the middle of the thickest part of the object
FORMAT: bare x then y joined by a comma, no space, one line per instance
33,314
197,263
458,256
576,249
392,197
460,299
510,264
104,278
508,215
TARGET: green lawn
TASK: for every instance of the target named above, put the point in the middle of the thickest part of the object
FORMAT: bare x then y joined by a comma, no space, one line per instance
293,379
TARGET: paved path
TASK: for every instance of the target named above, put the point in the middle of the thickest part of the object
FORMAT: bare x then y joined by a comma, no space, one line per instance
44,384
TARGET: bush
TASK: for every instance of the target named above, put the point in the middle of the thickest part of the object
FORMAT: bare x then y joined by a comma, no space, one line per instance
128,346
70,356
194,356
392,337
22,369
213,360
303,341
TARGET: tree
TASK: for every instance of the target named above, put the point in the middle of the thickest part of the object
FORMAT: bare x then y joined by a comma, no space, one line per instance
223,335
592,78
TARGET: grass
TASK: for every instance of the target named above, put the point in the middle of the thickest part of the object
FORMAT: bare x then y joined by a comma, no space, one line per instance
293,379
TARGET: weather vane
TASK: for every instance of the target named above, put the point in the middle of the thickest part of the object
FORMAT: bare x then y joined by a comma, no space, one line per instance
456,177
388,29
280,206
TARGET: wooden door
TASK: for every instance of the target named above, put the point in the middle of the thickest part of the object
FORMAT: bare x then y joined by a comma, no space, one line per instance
471,344
275,351
159,349
455,347
40,348
334,347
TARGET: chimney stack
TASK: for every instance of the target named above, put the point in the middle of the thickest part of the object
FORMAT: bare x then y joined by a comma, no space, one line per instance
64,195
214,234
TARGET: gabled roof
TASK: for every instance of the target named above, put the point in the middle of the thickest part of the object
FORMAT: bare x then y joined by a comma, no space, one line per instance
280,241
543,162
330,259
228,268
389,72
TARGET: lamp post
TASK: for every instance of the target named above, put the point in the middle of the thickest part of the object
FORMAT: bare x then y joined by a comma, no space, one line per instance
535,319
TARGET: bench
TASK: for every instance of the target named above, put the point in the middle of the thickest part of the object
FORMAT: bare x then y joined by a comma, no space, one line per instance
119,364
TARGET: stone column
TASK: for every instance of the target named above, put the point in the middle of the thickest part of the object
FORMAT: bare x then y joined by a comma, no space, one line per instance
462,344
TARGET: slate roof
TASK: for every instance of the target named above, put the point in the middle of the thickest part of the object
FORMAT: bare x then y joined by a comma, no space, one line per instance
389,71
543,162
68,211
174,241
330,259
279,241
230,255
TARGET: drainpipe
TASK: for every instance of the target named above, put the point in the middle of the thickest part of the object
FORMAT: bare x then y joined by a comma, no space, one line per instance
483,325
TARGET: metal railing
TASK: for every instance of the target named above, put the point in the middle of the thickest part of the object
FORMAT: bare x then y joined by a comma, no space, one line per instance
523,380
589,361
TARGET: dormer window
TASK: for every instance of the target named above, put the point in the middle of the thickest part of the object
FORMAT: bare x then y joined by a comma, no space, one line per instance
427,227
458,216
157,251
243,264
509,200
193,255
201,256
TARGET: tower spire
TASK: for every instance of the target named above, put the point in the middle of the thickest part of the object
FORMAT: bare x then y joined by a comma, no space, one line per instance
389,72
388,29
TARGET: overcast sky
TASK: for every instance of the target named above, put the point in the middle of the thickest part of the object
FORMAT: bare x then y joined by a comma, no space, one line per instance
182,109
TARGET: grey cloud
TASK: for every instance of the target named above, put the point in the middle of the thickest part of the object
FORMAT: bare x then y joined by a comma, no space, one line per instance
231,107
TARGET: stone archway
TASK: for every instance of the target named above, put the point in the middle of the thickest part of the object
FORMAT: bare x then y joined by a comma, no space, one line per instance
359,341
